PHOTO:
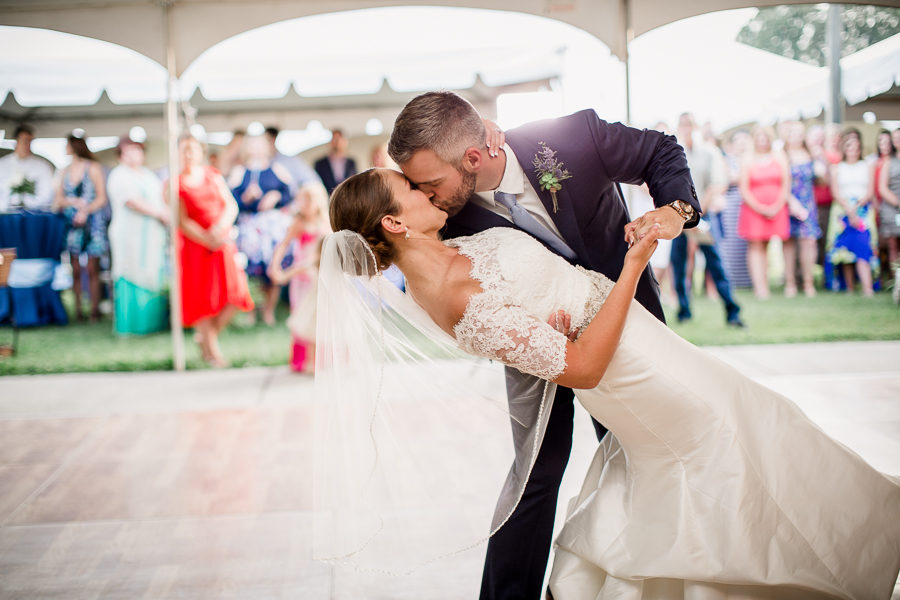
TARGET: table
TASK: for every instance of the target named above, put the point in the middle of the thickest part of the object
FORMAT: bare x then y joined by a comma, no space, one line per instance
39,238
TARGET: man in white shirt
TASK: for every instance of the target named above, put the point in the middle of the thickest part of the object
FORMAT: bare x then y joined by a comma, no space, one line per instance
21,167
707,171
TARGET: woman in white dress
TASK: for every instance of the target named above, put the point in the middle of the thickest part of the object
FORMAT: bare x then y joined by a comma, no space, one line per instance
711,486
137,241
852,233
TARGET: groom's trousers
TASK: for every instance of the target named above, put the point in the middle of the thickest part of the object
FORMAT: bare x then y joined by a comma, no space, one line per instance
517,554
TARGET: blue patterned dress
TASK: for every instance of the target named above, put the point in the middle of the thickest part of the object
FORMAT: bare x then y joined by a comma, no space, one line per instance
90,238
802,189
259,232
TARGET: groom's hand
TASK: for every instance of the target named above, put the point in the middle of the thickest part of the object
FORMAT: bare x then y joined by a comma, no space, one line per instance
670,225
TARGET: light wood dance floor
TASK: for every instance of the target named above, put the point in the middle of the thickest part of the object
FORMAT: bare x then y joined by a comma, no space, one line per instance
197,485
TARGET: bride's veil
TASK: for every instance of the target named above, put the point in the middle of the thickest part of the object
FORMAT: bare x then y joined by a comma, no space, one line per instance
413,439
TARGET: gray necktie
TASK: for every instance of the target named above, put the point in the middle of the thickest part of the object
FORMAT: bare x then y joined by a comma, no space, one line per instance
525,221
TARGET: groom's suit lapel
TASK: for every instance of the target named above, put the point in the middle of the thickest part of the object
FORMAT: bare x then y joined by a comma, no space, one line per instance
564,217
472,219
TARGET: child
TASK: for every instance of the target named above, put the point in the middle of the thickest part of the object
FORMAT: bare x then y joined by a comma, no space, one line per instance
306,232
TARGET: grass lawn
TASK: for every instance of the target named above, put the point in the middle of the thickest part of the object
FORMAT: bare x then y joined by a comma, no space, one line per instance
826,318
86,347
82,347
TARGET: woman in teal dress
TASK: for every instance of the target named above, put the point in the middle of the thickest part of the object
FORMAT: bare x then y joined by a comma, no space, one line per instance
137,237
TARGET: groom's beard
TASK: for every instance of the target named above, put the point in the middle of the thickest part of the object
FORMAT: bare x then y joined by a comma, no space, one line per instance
455,203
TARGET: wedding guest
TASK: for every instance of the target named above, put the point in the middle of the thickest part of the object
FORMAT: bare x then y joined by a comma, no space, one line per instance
379,157
336,166
705,164
81,197
25,179
308,228
733,247
889,208
884,150
230,155
853,239
765,183
213,288
708,133
300,171
804,221
137,241
833,137
822,161
262,190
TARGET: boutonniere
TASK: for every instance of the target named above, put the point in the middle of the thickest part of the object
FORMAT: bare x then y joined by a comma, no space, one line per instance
550,172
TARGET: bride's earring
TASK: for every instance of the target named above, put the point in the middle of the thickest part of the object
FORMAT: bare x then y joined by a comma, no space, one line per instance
406,237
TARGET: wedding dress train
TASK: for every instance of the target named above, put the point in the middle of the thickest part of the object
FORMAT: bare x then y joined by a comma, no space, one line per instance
709,485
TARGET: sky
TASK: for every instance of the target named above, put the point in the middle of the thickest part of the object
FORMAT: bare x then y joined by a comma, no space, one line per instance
692,65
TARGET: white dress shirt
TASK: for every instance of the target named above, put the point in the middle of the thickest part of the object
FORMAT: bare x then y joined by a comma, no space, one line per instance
13,168
515,181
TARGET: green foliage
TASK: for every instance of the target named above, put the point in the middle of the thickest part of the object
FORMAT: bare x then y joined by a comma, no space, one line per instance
798,31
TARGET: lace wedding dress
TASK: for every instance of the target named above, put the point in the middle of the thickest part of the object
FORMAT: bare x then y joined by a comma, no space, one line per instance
710,485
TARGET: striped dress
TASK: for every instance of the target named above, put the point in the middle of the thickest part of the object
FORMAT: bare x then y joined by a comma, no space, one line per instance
732,247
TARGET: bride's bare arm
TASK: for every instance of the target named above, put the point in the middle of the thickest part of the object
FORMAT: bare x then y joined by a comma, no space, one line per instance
589,356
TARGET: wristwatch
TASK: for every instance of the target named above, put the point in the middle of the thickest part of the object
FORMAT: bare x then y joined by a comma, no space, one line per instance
684,210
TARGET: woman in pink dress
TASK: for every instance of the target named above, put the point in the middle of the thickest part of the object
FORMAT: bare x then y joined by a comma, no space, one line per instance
765,184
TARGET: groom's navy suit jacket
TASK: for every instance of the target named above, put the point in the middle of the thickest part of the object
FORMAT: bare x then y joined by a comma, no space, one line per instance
592,214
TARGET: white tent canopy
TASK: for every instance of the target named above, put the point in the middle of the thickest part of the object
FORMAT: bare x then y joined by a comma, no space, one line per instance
353,113
339,54
189,27
869,82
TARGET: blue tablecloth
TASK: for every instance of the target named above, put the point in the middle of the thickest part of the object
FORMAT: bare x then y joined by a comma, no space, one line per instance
34,236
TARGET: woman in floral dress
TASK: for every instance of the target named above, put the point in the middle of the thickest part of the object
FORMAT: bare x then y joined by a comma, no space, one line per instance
805,228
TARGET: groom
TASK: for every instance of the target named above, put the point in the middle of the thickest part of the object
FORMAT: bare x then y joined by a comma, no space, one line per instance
438,142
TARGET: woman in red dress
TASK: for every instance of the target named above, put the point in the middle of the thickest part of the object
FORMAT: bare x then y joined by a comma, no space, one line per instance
765,184
213,287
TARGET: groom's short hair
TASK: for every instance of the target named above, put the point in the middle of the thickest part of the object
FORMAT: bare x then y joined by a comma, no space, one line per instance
442,122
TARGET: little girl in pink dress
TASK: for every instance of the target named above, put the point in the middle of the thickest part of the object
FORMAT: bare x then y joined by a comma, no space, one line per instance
305,234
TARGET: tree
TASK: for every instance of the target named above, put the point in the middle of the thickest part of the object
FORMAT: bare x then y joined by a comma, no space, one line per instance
798,31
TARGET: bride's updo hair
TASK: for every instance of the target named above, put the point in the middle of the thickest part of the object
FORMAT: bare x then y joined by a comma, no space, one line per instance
358,204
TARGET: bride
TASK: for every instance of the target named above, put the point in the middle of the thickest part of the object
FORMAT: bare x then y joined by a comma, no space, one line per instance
710,486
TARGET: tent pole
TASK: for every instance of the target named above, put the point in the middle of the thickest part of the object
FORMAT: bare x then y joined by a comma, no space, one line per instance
178,361
628,32
835,107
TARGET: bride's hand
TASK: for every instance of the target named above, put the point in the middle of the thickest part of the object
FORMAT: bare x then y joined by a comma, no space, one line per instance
494,138
562,322
639,254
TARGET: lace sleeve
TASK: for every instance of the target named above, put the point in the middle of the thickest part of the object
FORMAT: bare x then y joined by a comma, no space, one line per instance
494,328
